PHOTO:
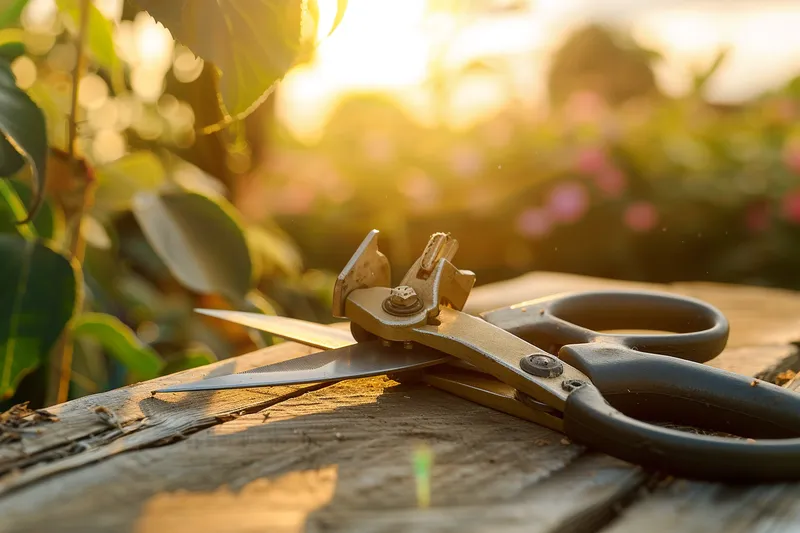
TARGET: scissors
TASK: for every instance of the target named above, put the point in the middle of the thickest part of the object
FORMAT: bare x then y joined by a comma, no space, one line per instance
554,361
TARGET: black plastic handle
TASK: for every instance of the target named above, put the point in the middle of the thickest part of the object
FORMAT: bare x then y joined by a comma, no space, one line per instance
630,388
699,330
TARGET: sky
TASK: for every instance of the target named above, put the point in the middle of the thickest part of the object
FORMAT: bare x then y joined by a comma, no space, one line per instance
388,45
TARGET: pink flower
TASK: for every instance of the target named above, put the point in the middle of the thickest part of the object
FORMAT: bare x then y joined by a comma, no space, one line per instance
611,182
591,161
568,202
757,217
533,222
791,155
791,206
641,216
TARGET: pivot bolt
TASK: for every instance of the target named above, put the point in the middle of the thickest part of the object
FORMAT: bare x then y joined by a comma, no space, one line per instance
403,296
402,301
542,365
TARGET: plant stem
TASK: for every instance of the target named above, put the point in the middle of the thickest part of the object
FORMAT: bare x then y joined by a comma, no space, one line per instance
61,362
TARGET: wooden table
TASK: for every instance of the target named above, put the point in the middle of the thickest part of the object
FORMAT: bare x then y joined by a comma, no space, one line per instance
340,457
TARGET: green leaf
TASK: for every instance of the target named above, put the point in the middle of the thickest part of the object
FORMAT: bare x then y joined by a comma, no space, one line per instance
120,180
49,222
273,254
199,239
39,290
100,38
23,125
12,210
120,342
11,11
192,358
253,44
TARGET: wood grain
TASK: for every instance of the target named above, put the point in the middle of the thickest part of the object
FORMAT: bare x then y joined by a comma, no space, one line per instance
341,457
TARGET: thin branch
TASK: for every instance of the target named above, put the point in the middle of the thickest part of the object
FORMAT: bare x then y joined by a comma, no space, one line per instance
61,364
77,72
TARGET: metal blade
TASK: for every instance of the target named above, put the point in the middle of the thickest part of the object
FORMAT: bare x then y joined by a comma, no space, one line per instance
349,362
308,333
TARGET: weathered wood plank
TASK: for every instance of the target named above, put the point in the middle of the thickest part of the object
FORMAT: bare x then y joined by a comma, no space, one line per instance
339,458
710,508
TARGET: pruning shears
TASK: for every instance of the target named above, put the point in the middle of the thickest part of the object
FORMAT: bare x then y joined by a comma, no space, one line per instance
554,361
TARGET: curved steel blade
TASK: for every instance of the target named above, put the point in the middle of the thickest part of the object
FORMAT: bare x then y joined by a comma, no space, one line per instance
349,362
308,333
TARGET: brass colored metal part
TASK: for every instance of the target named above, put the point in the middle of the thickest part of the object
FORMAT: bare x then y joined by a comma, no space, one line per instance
367,268
485,390
487,347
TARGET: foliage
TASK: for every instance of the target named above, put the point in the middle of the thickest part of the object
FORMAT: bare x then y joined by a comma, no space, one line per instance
655,189
33,313
23,127
123,243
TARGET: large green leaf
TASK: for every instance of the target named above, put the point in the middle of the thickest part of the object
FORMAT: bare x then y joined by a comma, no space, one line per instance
120,180
23,126
199,239
120,343
273,254
100,38
38,294
253,44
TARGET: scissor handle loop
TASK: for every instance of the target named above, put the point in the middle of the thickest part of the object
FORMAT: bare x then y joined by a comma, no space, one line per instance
698,330
627,391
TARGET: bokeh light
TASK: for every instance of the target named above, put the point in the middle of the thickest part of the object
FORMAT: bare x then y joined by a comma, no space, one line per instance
108,145
186,66
92,92
24,70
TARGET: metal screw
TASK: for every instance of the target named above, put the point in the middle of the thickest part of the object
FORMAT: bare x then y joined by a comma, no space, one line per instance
570,385
542,365
402,301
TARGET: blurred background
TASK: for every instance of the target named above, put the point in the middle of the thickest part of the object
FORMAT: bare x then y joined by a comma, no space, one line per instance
655,141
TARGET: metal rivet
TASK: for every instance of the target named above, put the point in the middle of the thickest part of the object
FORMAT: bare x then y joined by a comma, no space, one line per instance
542,365
571,385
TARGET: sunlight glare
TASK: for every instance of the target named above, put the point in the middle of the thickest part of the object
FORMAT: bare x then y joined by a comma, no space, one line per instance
154,43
